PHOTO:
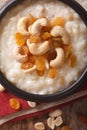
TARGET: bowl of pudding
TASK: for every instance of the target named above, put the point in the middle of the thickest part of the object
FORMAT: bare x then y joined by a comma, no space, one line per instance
43,48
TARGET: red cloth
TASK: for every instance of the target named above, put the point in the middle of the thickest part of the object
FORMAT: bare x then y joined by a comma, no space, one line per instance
5,108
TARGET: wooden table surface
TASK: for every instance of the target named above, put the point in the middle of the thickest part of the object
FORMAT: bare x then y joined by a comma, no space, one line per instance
70,112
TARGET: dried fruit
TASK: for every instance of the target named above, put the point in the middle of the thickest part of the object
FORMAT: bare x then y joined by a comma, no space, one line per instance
55,113
58,42
67,48
39,126
32,19
20,40
32,59
34,39
65,128
29,64
72,60
26,65
83,119
46,36
46,28
40,73
58,39
40,63
24,50
62,80
52,72
58,21
70,17
14,103
51,54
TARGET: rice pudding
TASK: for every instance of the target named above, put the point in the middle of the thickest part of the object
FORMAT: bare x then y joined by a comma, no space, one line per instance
43,46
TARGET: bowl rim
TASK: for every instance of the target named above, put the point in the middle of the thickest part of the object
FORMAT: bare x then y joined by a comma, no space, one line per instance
47,97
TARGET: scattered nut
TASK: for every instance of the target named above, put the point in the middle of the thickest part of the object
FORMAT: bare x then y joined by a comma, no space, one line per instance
50,123
1,88
58,121
55,113
59,60
31,104
39,126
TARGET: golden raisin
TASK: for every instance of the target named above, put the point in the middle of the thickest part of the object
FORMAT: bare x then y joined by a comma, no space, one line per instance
67,50
58,21
52,72
32,19
72,60
65,128
24,50
51,54
58,42
46,28
14,103
57,45
62,80
40,63
34,39
40,73
32,59
83,119
26,65
46,36
20,40
58,39
70,17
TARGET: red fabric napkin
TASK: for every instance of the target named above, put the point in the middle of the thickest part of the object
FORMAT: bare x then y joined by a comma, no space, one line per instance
8,114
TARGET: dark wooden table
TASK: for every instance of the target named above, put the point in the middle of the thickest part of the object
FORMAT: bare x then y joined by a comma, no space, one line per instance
70,117
70,112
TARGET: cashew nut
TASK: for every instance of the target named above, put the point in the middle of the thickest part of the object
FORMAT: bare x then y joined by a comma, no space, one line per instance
23,25
60,31
37,26
30,70
1,88
46,64
18,56
38,50
59,60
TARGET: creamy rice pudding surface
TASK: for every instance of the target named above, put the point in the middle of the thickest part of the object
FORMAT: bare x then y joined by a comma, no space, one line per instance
43,46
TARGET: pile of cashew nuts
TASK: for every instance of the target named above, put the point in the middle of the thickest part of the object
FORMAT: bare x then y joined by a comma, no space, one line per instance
44,46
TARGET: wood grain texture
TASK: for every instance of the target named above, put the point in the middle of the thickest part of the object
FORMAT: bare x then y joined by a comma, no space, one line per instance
70,112
70,117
